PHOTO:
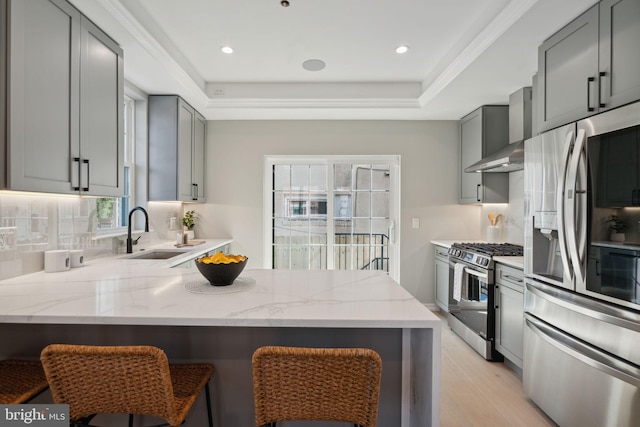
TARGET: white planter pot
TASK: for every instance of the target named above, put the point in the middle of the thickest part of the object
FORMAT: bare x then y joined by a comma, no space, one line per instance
191,234
617,237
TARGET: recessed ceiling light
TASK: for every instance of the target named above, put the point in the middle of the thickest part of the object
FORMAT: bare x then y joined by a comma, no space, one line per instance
313,65
402,49
226,49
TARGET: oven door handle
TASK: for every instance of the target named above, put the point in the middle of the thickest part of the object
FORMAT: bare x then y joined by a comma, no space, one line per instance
476,273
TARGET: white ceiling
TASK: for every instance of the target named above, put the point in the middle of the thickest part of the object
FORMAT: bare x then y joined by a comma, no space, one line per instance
462,53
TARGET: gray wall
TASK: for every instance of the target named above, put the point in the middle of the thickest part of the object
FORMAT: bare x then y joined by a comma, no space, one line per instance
429,179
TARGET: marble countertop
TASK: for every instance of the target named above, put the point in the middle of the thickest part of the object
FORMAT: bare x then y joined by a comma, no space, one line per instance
124,291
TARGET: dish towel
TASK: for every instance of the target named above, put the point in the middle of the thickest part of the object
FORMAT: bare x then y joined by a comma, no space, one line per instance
458,279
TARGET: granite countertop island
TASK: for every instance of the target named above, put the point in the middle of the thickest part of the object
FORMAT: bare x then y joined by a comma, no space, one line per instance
123,301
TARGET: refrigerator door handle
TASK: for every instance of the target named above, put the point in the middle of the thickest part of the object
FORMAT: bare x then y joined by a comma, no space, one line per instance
583,352
562,239
575,205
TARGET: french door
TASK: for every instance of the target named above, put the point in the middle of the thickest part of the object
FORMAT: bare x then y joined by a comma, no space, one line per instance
332,212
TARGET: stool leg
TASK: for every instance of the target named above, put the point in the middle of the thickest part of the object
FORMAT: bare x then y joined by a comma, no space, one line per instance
207,395
130,420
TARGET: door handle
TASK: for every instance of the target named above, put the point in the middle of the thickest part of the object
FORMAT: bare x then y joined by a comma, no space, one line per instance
600,103
476,273
562,184
86,162
575,208
478,192
589,81
75,175
514,278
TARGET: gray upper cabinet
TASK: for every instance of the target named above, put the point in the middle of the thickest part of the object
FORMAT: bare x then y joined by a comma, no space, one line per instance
619,52
101,103
590,65
567,71
64,105
177,139
483,132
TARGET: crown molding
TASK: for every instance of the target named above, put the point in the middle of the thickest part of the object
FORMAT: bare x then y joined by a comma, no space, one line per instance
313,103
130,23
501,23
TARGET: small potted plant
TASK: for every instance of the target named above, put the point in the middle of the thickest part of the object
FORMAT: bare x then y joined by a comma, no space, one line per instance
189,221
617,227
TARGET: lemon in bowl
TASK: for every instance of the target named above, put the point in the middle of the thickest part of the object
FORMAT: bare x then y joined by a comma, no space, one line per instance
221,269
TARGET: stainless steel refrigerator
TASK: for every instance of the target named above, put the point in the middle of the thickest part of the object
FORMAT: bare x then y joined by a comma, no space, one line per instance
581,361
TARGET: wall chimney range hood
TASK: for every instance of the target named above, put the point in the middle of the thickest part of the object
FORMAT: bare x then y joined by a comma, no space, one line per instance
507,159
511,157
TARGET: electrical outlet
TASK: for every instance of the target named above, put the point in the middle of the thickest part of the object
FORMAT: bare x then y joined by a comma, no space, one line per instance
415,222
218,91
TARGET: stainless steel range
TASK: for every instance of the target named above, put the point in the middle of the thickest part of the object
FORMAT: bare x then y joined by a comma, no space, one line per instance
472,316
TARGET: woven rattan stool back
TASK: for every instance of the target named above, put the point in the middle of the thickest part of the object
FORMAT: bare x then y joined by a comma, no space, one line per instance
292,383
20,381
121,379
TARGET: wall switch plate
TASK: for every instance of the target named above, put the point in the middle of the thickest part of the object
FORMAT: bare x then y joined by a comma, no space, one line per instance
415,222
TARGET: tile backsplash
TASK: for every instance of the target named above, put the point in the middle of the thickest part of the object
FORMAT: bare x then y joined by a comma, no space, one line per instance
31,224
511,224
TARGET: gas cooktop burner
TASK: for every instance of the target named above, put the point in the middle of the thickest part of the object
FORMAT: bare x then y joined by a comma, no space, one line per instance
492,249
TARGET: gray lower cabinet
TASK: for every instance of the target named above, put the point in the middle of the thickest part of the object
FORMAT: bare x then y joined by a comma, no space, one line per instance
590,65
64,102
509,312
177,139
442,272
483,132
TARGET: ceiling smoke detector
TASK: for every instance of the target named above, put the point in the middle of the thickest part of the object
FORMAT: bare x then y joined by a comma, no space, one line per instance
313,65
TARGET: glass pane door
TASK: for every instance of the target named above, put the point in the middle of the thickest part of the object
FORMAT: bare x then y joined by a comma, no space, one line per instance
332,214
361,217
299,230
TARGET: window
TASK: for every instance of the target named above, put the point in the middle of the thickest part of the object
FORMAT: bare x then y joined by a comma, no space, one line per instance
112,211
297,208
332,212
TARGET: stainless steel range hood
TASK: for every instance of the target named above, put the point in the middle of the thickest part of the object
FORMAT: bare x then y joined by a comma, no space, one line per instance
507,159
511,157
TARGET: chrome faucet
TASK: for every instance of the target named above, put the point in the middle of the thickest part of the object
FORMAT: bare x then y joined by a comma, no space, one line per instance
130,241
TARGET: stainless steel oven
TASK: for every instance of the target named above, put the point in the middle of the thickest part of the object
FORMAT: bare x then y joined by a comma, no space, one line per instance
472,316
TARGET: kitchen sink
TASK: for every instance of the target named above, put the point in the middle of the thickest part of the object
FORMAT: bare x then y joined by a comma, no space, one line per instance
155,254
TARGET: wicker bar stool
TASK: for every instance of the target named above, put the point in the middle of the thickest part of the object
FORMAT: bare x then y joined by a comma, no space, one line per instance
21,381
319,384
123,379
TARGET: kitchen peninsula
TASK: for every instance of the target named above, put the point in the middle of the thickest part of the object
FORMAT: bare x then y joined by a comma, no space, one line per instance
124,301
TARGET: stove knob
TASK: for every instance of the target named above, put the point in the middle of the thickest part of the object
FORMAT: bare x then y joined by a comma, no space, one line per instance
485,262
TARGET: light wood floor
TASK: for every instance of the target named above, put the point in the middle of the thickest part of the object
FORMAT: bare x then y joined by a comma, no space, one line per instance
478,393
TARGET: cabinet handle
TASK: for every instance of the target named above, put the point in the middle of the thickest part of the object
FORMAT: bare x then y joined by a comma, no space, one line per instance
515,279
86,162
194,191
478,192
589,81
600,103
75,177
597,267
634,197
